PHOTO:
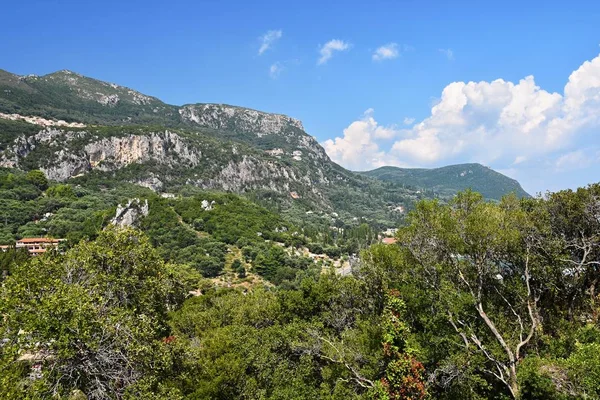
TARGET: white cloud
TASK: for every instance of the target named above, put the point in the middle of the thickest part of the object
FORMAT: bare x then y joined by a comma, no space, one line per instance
448,53
275,70
329,48
504,124
386,52
358,148
519,160
573,160
408,121
268,40
498,120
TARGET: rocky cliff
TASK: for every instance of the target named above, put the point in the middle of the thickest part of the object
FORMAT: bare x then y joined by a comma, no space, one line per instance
163,159
63,154
77,128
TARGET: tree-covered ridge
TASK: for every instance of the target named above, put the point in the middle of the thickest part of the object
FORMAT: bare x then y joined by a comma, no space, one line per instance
476,301
66,95
220,235
447,181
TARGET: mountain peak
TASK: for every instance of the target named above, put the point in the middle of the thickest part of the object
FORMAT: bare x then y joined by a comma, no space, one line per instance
447,181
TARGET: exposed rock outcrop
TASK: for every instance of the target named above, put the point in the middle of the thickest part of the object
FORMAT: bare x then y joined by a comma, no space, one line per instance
107,154
117,152
223,117
131,214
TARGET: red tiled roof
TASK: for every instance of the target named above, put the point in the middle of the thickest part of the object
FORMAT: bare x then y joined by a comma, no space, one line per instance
38,240
388,240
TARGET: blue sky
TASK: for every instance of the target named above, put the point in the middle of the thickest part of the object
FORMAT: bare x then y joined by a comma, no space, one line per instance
409,103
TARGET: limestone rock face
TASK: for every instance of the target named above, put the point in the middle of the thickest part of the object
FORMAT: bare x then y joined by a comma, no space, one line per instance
225,117
69,159
252,123
117,152
131,214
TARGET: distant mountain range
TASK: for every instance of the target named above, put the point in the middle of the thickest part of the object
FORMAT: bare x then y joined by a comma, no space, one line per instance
447,181
110,133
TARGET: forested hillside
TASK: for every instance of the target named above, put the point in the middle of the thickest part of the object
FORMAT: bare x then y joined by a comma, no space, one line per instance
210,251
476,300
447,181
220,235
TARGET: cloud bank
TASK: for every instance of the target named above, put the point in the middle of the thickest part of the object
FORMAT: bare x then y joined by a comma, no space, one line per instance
498,123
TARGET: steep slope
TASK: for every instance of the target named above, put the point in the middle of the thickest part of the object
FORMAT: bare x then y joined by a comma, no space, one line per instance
449,180
171,159
77,128
70,96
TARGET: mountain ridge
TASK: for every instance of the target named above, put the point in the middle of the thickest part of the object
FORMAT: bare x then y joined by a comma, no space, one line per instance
137,138
450,179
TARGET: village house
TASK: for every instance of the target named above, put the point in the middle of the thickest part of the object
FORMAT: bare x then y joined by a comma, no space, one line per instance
35,246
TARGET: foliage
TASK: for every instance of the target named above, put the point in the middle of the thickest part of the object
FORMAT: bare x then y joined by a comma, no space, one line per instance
90,320
478,300
38,179
448,181
228,217
11,258
404,375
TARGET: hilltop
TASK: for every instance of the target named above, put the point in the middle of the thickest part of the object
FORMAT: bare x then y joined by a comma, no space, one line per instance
447,181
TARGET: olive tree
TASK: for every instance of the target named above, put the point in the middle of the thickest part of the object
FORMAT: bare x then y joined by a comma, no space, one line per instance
478,263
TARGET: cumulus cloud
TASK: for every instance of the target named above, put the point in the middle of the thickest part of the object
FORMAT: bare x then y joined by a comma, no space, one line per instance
386,52
275,70
500,120
408,121
498,123
331,47
268,40
573,160
448,53
358,148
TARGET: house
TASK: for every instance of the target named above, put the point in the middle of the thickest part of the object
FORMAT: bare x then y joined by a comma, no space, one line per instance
35,246
388,240
390,231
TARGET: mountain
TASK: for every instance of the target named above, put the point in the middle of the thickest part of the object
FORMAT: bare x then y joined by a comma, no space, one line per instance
86,131
447,181
69,96
89,132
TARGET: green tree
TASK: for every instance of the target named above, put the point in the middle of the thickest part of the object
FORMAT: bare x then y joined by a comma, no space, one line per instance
404,375
238,268
37,178
10,259
61,191
478,262
90,320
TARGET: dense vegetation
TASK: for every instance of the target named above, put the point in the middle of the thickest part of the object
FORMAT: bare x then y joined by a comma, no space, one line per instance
449,180
477,301
262,294
206,230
